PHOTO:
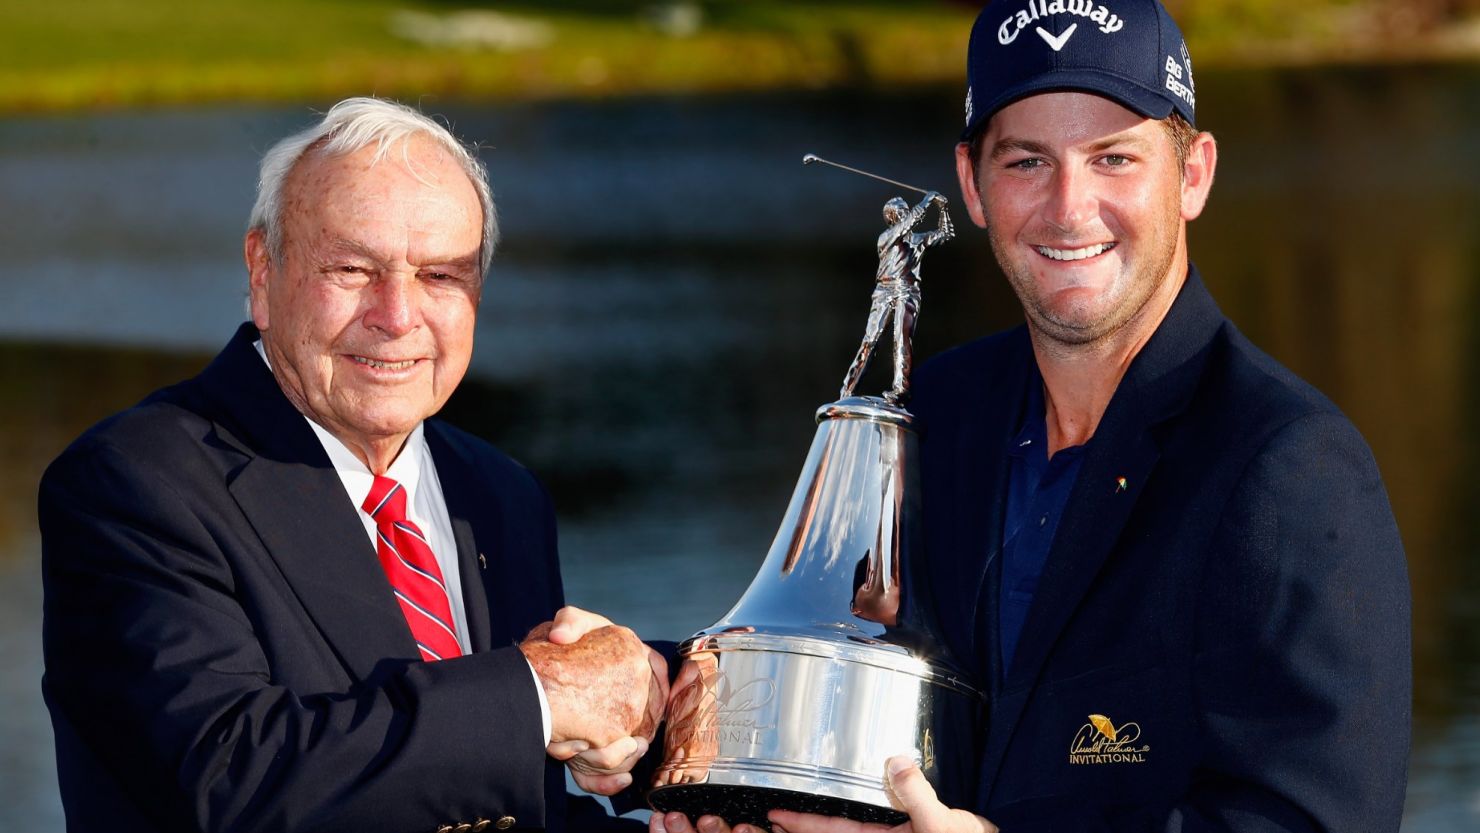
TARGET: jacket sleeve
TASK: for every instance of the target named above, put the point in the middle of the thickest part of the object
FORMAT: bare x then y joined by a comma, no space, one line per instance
1303,666
154,670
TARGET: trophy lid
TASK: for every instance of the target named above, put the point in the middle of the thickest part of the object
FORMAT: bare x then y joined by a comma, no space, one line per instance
866,407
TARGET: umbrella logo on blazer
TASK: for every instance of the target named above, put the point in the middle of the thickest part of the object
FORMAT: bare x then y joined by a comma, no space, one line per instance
1103,724
1100,741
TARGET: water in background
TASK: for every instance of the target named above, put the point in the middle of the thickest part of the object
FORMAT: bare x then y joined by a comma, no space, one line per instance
677,294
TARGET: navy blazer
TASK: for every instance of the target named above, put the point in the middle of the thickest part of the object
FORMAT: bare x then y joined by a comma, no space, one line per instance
1220,637
223,651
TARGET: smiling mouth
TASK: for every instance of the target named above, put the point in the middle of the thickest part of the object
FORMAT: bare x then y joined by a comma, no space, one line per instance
381,365
1075,254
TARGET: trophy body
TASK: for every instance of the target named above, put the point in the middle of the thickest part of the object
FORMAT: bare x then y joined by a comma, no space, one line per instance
831,661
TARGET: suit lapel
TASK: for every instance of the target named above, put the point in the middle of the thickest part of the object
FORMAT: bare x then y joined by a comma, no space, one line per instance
1121,459
295,501
986,475
1122,451
311,530
475,552
967,441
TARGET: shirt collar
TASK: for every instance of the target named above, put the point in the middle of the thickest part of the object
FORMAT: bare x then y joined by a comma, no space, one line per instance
1031,440
1032,434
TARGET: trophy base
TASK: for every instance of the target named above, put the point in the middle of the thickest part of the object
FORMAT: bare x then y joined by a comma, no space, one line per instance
795,721
749,805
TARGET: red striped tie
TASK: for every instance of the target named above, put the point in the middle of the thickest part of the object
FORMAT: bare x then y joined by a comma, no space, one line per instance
413,571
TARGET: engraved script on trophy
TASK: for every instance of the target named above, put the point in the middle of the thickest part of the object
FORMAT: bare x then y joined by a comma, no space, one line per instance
709,711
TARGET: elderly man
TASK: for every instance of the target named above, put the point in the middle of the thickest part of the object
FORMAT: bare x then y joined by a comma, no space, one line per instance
1170,563
278,596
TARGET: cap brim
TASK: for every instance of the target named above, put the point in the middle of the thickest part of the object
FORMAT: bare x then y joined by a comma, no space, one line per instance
1132,96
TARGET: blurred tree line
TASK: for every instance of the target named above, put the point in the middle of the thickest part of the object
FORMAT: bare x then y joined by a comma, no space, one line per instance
1401,18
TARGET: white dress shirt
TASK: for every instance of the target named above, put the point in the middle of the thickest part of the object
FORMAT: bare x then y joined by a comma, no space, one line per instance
415,470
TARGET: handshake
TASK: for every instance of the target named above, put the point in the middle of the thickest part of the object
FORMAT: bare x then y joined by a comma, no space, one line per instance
607,692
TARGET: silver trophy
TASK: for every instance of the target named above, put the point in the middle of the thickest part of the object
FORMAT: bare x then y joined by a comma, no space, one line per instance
831,661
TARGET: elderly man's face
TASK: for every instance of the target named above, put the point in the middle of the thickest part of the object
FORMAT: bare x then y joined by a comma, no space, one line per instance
1085,202
368,319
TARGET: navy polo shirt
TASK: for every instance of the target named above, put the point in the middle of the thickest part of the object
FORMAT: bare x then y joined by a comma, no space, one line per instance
1037,492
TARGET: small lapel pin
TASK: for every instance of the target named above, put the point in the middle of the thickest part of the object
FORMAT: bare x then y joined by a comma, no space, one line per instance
1119,486
482,562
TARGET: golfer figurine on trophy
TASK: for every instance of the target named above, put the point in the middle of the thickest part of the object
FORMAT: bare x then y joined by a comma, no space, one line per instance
897,291
832,660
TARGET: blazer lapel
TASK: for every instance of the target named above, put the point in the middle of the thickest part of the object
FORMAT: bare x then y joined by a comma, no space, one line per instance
295,501
475,554
968,442
310,528
1121,459
1123,451
982,516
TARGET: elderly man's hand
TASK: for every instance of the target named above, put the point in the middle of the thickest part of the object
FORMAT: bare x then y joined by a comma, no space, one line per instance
606,691
916,797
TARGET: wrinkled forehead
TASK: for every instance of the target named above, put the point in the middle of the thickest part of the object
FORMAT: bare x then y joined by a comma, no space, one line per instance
410,188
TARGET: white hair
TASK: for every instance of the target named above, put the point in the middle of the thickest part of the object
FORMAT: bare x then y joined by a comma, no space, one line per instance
349,126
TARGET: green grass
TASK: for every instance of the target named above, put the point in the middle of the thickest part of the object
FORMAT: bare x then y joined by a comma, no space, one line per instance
67,54
75,54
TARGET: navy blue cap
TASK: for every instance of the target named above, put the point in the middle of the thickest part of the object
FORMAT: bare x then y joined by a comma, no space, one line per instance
1129,51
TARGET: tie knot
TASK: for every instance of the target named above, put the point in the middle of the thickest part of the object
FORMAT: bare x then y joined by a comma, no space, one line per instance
386,502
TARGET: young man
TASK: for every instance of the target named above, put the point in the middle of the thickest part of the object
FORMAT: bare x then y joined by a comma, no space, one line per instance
1171,563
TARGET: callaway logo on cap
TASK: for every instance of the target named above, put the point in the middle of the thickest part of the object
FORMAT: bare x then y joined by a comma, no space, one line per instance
1129,51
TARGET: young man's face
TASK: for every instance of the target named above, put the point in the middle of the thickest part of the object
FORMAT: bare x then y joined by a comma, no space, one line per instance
1086,206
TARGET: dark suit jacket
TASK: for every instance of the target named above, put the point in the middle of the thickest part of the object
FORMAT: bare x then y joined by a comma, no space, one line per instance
222,648
1239,608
